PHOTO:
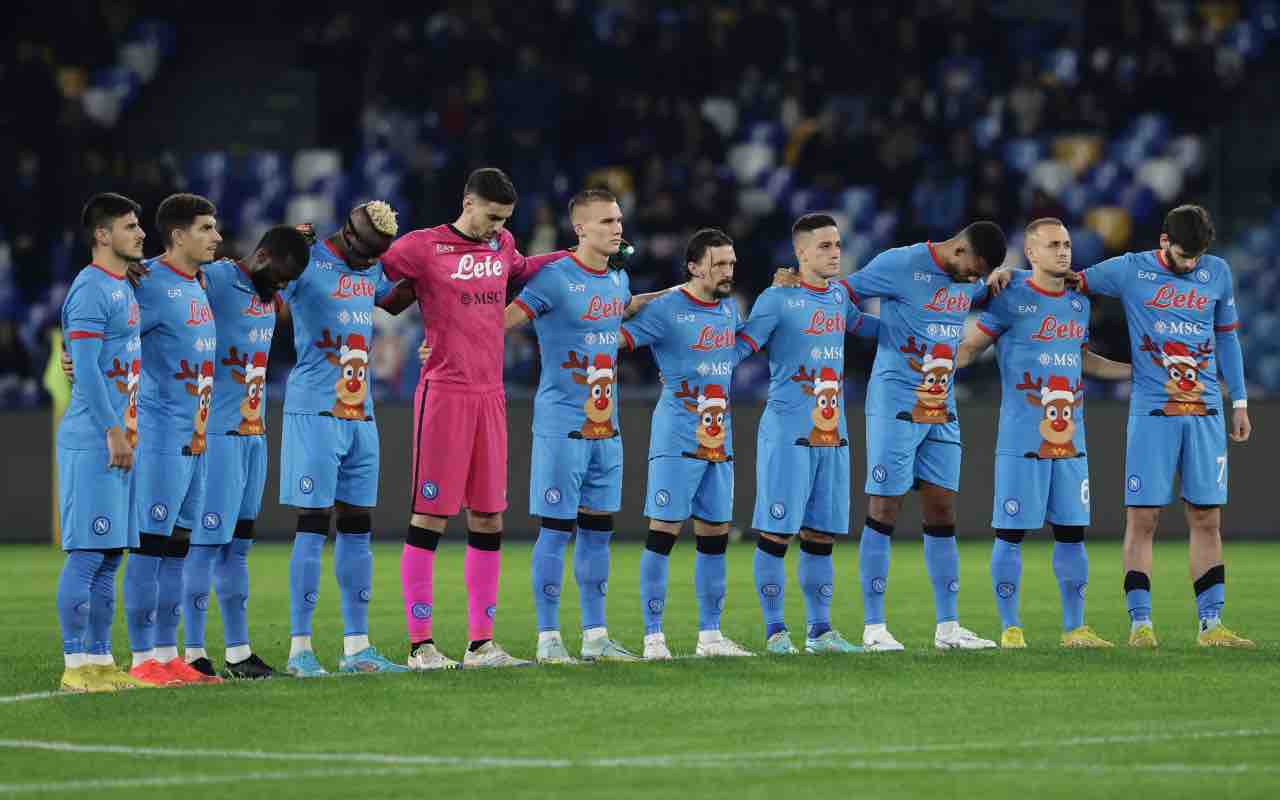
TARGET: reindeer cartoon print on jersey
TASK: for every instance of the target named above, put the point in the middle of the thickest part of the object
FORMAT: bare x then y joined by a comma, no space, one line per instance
1059,403
203,390
824,388
597,376
352,358
711,404
129,387
1185,390
935,370
253,378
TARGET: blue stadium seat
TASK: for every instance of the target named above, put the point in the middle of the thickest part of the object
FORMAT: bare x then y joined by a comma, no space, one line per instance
1023,154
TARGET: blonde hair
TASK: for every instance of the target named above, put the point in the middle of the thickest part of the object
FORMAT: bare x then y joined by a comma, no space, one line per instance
383,217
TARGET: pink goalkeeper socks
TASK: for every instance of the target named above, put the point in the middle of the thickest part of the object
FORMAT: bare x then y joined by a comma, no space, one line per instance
481,570
417,568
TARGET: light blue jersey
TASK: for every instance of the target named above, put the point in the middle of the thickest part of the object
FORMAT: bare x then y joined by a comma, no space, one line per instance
576,313
245,328
332,307
1040,336
922,313
693,343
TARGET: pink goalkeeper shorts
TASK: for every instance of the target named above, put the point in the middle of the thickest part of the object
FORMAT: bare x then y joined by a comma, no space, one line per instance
459,449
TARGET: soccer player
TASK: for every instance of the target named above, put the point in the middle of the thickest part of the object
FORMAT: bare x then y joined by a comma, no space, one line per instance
691,332
577,303
802,455
329,450
1041,332
243,297
460,273
95,448
176,389
1182,318
913,436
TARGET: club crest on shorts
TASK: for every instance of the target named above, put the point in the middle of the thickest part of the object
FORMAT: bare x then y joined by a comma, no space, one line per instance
552,496
101,526
1012,507
430,491
879,474
306,485
778,510
159,512
421,610
212,521
1133,484
662,498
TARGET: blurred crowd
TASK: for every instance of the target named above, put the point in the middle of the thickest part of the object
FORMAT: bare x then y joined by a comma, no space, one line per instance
906,119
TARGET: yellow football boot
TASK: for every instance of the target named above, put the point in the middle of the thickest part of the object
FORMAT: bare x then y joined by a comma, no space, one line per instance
1143,635
1012,638
1221,636
82,679
1084,637
116,678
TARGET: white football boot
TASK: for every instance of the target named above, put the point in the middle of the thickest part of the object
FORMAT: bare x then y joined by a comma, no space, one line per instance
714,643
950,636
877,639
427,657
655,647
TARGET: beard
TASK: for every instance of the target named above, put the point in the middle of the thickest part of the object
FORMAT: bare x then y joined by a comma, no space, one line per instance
126,257
723,289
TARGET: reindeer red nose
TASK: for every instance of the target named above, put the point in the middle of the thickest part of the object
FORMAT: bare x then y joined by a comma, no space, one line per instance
602,402
353,386
1059,425
1186,384
253,403
713,430
828,412
204,414
935,389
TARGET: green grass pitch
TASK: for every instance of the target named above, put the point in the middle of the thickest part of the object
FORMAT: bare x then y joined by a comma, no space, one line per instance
1178,722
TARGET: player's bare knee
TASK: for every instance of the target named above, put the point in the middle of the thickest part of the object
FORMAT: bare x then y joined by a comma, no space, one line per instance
478,522
703,527
816,537
1141,521
429,522
884,510
1204,521
666,526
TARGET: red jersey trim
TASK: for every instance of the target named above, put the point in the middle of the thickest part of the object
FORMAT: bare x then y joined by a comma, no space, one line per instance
1084,283
108,272
755,348
178,272
334,250
937,262
631,343
988,331
813,288
1226,328
852,294
525,308
703,303
586,268
1159,254
1040,290
84,335
857,325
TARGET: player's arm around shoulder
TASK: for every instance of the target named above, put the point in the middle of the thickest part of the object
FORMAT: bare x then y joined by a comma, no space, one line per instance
536,298
975,342
401,296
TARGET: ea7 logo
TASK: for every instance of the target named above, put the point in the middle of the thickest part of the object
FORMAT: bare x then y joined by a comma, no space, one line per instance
795,303
1031,309
575,288
1143,275
922,276
444,248
685,317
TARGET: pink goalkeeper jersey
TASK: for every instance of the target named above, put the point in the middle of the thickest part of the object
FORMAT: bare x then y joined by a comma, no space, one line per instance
461,284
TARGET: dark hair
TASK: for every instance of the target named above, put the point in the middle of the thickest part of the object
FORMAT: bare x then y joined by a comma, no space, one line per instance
492,184
1036,224
987,241
1190,228
287,242
699,243
812,222
104,209
180,211
588,196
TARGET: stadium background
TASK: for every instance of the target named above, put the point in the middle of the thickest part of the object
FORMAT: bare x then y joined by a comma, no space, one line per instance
904,119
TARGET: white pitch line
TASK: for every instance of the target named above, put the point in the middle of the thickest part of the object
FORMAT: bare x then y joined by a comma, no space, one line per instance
691,760
20,698
1170,769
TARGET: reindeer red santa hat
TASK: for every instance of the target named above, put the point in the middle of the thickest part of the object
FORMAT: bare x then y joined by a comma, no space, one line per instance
135,372
257,368
713,397
1058,388
205,380
355,348
1176,353
939,358
600,369
827,380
